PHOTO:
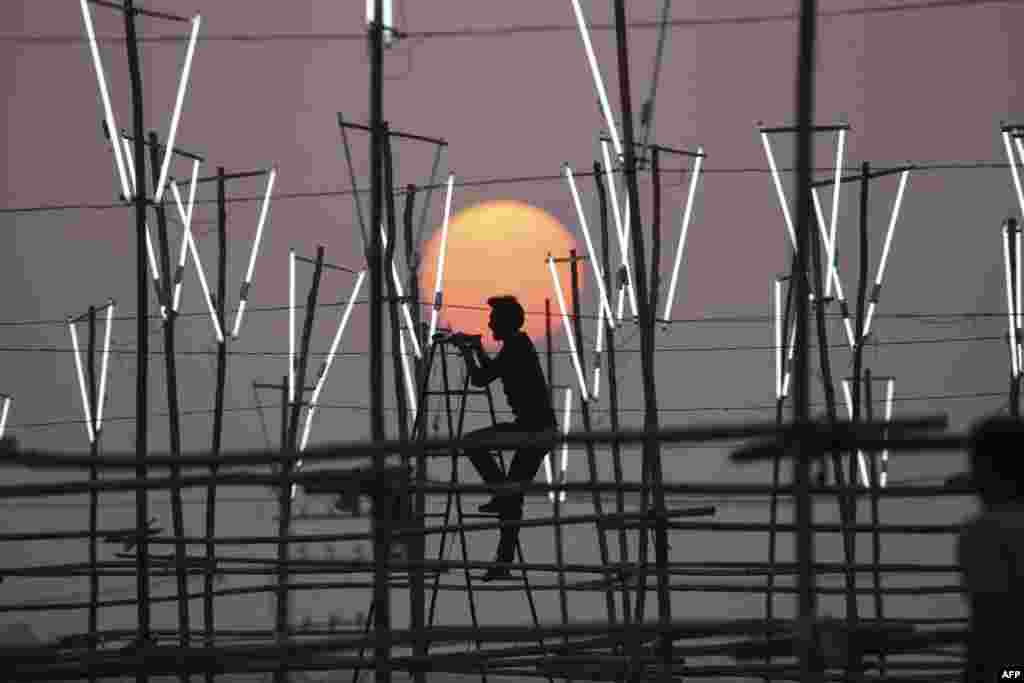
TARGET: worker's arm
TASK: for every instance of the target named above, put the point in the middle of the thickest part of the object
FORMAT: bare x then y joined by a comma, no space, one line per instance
482,368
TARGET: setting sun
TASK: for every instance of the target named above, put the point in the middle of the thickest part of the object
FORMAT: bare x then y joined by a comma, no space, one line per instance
494,248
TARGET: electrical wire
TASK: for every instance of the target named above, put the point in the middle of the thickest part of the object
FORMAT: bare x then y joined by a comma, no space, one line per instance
504,31
499,180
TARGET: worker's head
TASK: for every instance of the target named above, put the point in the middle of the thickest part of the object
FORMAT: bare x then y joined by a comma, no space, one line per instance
994,452
507,316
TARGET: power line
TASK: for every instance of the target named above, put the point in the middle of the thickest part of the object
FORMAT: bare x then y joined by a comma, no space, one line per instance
356,407
130,351
506,31
948,318
498,180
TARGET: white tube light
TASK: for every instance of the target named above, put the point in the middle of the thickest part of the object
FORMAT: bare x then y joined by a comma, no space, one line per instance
581,22
568,330
687,212
598,349
103,368
789,359
150,252
187,230
620,232
566,424
3,415
410,390
439,275
1014,172
404,305
108,111
1020,152
330,356
836,188
777,335
1010,305
778,188
862,464
176,115
388,21
885,247
244,295
833,270
199,266
81,383
1017,298
595,265
889,386
291,326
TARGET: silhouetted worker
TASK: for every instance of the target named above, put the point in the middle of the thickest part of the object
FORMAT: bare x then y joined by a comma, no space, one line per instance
991,550
518,368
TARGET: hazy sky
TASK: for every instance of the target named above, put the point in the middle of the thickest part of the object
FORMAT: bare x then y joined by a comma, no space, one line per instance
926,86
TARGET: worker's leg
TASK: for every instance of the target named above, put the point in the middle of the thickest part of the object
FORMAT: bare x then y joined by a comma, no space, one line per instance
524,467
483,456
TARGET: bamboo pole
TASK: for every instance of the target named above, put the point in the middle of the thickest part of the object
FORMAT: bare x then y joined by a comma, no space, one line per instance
142,313
170,368
94,578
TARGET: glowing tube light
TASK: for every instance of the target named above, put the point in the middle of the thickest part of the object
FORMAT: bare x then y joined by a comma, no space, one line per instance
1017,299
566,423
598,349
620,232
1013,169
103,368
860,454
81,383
439,276
778,188
330,358
186,236
565,450
291,326
581,22
199,265
833,270
176,115
789,360
406,311
1020,152
108,111
595,265
568,330
777,335
410,390
1010,305
3,414
687,212
150,252
836,187
889,386
885,248
244,295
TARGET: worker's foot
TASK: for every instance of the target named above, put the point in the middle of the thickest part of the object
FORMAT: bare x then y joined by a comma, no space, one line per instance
495,573
499,505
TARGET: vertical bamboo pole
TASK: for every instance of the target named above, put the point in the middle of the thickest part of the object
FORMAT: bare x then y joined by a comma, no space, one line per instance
94,448
801,367
209,621
177,516
876,536
613,391
141,330
651,446
381,523
550,351
602,539
417,545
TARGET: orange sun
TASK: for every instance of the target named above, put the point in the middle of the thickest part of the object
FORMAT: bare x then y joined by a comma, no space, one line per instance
496,248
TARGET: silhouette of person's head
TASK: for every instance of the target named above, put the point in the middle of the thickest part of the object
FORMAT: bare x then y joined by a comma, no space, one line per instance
993,453
507,316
